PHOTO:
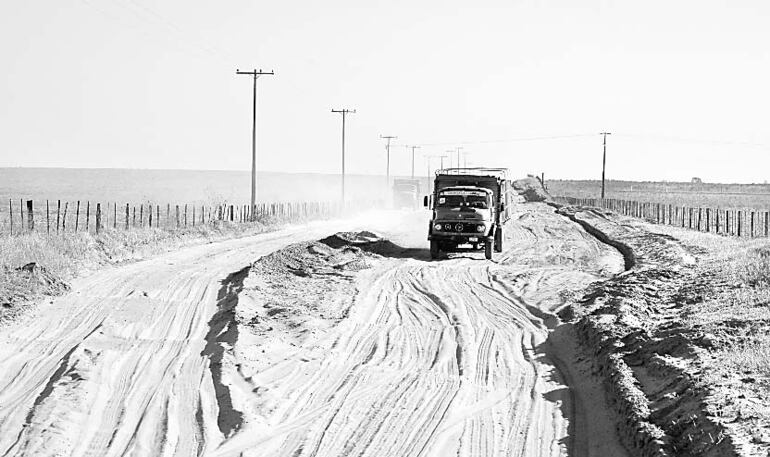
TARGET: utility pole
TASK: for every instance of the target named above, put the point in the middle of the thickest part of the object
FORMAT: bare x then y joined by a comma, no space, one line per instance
255,74
344,113
387,148
413,148
465,159
458,155
449,155
442,161
604,159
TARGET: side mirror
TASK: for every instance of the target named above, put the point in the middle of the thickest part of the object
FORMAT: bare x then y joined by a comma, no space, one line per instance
425,201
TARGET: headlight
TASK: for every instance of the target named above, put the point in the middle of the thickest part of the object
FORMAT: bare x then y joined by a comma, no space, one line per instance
436,226
479,228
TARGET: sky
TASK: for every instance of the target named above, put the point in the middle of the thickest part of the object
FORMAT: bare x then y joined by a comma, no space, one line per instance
683,86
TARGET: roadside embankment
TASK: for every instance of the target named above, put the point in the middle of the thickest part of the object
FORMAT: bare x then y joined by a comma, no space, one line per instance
35,266
680,338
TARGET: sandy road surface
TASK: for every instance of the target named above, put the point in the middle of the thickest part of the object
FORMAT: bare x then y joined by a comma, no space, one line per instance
435,358
440,358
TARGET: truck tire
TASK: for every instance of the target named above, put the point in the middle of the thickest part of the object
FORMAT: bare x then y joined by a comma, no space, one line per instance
499,239
488,250
434,250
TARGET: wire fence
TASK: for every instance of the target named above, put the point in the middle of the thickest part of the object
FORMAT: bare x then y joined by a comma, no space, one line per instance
743,222
57,217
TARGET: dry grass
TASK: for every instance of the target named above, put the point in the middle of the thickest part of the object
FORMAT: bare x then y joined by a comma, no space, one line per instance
59,258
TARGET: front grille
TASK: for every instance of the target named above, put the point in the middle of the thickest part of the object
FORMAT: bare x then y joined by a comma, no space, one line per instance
459,227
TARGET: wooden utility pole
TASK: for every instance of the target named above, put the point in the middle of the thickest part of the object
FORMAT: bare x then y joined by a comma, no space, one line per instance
604,158
255,74
344,113
413,148
387,149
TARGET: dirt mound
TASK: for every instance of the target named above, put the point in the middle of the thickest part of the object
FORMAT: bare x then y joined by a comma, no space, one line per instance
307,286
643,348
531,189
25,284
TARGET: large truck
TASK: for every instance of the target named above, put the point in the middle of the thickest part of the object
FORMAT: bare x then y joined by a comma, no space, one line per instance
470,207
406,193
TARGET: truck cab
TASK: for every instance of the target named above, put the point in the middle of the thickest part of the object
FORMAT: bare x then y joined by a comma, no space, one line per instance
469,210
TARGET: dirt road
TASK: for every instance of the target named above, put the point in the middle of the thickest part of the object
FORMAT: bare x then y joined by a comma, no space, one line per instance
433,358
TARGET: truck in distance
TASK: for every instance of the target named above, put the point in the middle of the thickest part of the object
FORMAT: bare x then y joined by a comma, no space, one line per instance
406,193
470,207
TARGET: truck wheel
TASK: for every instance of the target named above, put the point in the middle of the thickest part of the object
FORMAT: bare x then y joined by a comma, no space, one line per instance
499,239
488,250
434,250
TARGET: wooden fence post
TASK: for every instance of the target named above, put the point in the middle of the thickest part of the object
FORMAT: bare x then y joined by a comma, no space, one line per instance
133,216
127,214
77,215
177,216
47,219
141,215
149,216
193,216
185,214
727,221
64,218
740,217
30,216
751,232
21,216
767,223
717,220
115,215
10,213
98,217
708,220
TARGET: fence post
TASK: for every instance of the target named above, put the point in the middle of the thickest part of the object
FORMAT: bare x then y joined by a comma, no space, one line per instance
127,214
115,215
30,216
98,218
21,216
10,213
700,218
717,220
177,216
740,217
767,223
64,217
185,214
77,215
708,220
751,233
141,215
47,219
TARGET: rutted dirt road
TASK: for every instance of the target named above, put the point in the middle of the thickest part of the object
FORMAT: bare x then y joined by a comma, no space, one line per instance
430,358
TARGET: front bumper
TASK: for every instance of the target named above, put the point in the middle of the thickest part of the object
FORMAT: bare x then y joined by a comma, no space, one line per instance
457,238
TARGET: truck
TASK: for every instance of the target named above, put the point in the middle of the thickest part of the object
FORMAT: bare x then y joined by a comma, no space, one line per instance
406,193
469,207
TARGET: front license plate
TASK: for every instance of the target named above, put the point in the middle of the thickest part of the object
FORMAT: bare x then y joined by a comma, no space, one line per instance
473,238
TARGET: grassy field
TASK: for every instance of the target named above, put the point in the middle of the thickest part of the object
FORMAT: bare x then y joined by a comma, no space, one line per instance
684,194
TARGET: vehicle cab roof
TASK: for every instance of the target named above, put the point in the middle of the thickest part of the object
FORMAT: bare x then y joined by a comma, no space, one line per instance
473,188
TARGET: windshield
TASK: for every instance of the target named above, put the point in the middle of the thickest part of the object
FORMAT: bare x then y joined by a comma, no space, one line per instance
463,199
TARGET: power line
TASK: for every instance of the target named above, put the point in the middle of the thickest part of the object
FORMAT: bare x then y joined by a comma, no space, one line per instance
344,113
255,74
508,140
604,158
387,148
